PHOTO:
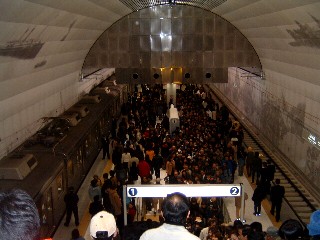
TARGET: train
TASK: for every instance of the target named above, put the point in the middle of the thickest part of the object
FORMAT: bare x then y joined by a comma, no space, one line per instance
62,152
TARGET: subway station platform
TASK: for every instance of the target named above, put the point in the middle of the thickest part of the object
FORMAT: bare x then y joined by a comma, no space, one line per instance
101,166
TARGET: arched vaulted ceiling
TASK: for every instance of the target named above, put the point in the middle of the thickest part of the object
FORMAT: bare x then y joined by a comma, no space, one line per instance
43,45
177,39
43,40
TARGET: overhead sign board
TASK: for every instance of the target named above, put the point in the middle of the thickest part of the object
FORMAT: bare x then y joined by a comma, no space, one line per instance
193,190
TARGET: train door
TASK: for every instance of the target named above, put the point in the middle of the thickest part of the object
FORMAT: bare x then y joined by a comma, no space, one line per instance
91,146
79,161
76,167
70,168
46,213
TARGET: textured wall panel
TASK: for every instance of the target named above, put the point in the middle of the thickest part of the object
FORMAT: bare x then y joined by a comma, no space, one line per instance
184,36
156,59
177,59
155,26
284,113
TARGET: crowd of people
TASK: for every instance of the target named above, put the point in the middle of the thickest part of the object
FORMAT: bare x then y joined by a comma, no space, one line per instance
207,148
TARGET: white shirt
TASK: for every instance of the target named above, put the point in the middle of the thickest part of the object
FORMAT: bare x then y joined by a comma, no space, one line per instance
204,233
209,113
204,104
168,232
126,157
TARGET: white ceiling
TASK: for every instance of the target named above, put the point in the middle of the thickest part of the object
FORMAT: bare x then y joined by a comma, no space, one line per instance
59,34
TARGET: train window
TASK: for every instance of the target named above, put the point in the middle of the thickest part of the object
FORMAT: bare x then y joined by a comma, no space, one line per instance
88,145
101,123
79,157
59,183
97,133
46,208
70,167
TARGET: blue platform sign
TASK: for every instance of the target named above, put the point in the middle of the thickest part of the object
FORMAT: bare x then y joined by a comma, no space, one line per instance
234,191
132,192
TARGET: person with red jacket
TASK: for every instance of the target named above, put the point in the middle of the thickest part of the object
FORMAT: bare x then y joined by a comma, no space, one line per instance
144,169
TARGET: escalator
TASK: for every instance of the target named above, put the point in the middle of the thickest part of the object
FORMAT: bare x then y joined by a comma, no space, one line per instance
297,195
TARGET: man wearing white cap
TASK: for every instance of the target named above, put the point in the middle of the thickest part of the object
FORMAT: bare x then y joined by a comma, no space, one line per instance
103,226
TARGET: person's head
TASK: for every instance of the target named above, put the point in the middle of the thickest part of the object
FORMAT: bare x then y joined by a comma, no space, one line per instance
212,222
19,217
255,236
96,177
105,176
175,209
272,233
130,205
314,225
103,226
277,181
94,183
246,229
256,226
291,229
237,223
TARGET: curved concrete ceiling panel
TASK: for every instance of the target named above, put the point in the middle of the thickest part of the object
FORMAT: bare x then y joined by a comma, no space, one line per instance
190,38
42,37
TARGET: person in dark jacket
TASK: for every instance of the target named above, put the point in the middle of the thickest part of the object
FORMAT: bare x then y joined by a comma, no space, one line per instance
96,206
241,161
264,172
249,160
105,147
157,164
256,167
271,170
134,172
104,192
276,194
71,200
258,195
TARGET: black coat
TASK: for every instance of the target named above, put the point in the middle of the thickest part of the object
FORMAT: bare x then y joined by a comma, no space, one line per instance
257,164
157,162
95,207
277,193
71,199
259,194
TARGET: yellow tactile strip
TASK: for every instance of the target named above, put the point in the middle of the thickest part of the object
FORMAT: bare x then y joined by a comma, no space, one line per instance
85,220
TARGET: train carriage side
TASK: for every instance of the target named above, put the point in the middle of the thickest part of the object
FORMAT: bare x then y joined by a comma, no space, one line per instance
64,160
82,145
45,183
